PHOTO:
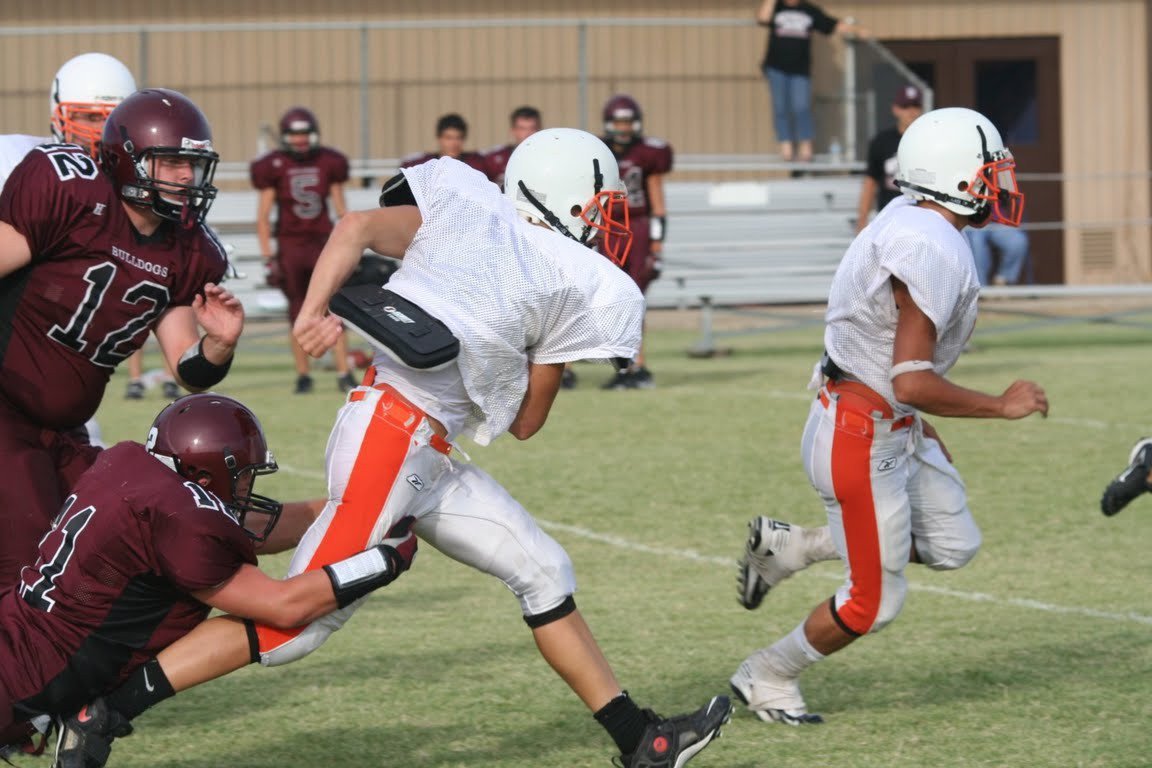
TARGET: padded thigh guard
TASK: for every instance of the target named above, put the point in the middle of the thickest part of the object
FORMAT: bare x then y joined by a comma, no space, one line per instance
478,523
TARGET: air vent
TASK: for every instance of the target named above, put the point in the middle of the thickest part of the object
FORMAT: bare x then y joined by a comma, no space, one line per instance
1098,250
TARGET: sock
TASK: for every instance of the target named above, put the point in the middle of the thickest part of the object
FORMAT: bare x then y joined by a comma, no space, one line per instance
146,687
792,654
624,721
818,545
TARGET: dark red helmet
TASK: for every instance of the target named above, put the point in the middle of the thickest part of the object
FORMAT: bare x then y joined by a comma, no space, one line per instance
157,147
299,120
622,107
217,443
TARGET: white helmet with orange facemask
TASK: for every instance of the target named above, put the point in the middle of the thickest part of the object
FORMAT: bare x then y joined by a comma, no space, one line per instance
956,157
569,180
86,88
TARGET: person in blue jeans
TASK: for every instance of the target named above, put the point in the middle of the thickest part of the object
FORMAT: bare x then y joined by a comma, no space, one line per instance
787,67
1010,243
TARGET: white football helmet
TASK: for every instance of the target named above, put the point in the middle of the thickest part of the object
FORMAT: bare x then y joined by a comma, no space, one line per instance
955,157
569,180
84,91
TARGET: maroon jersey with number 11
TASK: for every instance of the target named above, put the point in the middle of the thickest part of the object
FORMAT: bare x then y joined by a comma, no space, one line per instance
111,586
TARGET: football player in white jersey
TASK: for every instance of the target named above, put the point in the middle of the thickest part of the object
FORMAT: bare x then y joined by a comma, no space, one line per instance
901,307
511,276
85,89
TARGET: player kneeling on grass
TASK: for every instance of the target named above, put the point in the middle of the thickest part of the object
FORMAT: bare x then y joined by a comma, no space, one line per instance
495,293
152,537
901,307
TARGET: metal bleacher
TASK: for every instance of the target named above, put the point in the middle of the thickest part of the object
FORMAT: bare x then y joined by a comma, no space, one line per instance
736,243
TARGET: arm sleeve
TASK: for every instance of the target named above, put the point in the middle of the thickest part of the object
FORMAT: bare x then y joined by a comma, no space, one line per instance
37,204
260,171
339,168
822,22
198,548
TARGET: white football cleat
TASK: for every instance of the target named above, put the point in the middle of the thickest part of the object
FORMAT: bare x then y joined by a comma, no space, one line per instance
773,552
774,699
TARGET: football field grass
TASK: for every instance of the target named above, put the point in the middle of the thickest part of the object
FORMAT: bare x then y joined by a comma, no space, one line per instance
1039,653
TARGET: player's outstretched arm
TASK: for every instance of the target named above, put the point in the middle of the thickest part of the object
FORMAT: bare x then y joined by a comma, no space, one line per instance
915,383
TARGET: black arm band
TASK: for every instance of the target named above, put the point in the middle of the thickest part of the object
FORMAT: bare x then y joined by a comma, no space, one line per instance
354,577
199,372
253,641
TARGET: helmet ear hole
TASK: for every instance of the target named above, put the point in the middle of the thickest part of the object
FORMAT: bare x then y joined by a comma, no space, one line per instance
962,186
576,210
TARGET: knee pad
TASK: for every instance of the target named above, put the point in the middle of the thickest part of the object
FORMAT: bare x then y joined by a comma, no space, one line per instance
948,556
859,612
544,582
554,614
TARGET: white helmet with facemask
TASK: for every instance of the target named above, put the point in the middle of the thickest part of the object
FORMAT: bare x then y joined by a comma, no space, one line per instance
956,157
569,180
88,85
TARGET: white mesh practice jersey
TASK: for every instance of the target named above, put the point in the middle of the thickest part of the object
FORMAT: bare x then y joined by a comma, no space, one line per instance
512,293
13,147
920,248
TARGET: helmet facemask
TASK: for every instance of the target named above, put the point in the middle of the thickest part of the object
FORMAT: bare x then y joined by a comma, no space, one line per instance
73,123
995,184
245,504
187,203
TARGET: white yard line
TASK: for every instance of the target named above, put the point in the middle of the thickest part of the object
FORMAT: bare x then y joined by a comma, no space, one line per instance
975,597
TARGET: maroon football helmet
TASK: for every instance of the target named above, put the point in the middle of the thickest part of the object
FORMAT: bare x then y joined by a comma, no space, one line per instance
622,107
217,443
297,121
152,128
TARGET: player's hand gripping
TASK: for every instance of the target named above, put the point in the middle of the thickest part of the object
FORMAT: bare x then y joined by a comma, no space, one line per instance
220,314
357,576
1023,398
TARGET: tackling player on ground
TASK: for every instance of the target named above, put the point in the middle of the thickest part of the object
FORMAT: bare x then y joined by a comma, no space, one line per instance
901,307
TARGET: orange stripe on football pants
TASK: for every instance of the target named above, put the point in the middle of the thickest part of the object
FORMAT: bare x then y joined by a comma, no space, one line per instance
852,482
383,450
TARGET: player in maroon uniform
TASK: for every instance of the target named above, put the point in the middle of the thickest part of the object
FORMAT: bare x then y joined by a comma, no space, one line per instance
643,162
151,537
524,121
297,180
451,133
92,257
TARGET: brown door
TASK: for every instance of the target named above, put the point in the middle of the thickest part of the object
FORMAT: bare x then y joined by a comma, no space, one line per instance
1015,83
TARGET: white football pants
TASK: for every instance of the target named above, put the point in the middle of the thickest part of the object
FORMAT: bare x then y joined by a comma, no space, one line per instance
384,462
886,488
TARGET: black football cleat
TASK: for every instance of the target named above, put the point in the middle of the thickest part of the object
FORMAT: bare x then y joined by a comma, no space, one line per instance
1130,483
670,742
86,738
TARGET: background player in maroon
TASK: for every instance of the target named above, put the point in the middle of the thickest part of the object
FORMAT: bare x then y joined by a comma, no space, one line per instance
643,162
93,256
523,122
151,537
297,180
451,133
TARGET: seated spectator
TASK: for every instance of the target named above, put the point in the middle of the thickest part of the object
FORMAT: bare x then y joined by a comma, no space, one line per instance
451,133
1010,245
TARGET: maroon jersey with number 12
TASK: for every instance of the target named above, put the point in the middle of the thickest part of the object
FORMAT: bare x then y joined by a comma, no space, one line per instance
111,586
93,290
302,187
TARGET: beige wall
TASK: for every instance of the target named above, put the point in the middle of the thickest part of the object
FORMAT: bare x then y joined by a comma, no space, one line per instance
700,84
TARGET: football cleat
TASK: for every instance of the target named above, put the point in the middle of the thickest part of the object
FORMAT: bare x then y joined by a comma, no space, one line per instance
772,698
568,379
303,384
670,742
1130,483
134,390
86,737
171,390
771,554
620,380
346,383
642,379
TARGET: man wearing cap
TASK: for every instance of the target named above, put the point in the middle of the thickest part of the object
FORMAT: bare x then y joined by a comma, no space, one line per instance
879,187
